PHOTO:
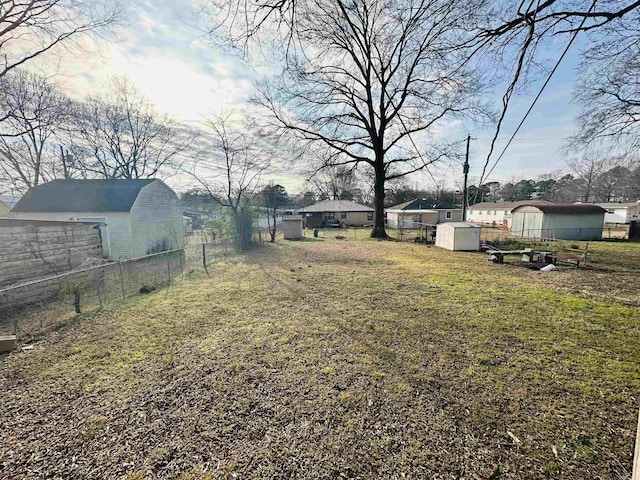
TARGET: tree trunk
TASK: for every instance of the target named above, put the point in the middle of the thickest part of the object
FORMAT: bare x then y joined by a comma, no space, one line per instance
378,205
273,232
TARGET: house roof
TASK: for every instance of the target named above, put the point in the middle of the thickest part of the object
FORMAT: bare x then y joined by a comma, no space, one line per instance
568,208
506,205
336,206
423,204
83,196
619,205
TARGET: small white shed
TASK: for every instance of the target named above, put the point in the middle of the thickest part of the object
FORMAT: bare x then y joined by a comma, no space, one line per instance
458,236
291,227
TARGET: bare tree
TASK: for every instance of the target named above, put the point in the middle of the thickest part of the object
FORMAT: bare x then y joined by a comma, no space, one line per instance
37,114
607,92
32,27
273,197
231,169
587,169
369,81
122,136
609,101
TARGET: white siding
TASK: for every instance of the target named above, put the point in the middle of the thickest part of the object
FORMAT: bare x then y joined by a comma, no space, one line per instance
118,225
156,220
487,216
527,224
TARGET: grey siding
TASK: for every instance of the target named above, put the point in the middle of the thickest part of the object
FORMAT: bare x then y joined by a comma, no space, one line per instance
574,227
33,249
456,216
156,220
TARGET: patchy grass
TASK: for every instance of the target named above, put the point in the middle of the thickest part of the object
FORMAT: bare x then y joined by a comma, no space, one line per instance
341,359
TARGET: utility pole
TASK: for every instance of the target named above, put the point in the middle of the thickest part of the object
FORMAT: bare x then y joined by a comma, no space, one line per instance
465,170
63,159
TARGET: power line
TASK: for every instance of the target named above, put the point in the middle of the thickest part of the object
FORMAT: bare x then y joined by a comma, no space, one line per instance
535,100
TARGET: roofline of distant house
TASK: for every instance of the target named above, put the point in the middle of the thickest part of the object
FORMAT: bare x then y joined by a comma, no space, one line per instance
429,210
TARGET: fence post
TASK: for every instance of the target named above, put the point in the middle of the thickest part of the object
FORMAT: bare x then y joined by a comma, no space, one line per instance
121,279
182,252
99,276
169,268
204,257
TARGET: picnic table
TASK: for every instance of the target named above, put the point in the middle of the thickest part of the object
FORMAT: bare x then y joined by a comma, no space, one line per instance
528,255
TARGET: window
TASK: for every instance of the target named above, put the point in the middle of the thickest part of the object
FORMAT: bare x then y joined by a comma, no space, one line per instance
343,214
369,215
448,214
329,215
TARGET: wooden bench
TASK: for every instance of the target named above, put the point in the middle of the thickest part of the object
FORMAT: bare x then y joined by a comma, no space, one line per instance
574,256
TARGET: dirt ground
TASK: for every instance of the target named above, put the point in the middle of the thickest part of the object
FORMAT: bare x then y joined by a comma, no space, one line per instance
325,359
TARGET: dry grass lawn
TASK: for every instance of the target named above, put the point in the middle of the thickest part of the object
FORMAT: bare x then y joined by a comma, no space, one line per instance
340,359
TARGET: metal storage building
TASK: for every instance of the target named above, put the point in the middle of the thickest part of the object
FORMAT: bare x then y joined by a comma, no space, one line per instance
558,221
458,236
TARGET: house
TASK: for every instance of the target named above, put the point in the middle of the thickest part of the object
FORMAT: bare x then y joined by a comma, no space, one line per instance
136,217
558,221
422,211
621,212
346,212
494,213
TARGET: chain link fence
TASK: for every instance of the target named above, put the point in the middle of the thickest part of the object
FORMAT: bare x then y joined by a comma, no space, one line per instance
31,307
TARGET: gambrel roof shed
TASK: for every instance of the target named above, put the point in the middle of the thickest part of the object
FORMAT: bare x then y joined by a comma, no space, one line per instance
111,195
136,217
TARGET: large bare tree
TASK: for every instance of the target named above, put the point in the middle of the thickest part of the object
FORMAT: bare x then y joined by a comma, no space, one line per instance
121,135
37,113
369,80
29,28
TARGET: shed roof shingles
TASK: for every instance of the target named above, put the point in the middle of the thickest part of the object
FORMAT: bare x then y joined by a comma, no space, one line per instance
83,196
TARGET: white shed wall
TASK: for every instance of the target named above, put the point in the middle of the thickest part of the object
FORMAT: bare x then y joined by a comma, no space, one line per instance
458,238
156,220
527,224
291,227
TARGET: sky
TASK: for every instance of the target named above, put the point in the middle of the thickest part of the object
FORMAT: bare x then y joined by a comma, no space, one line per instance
159,47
